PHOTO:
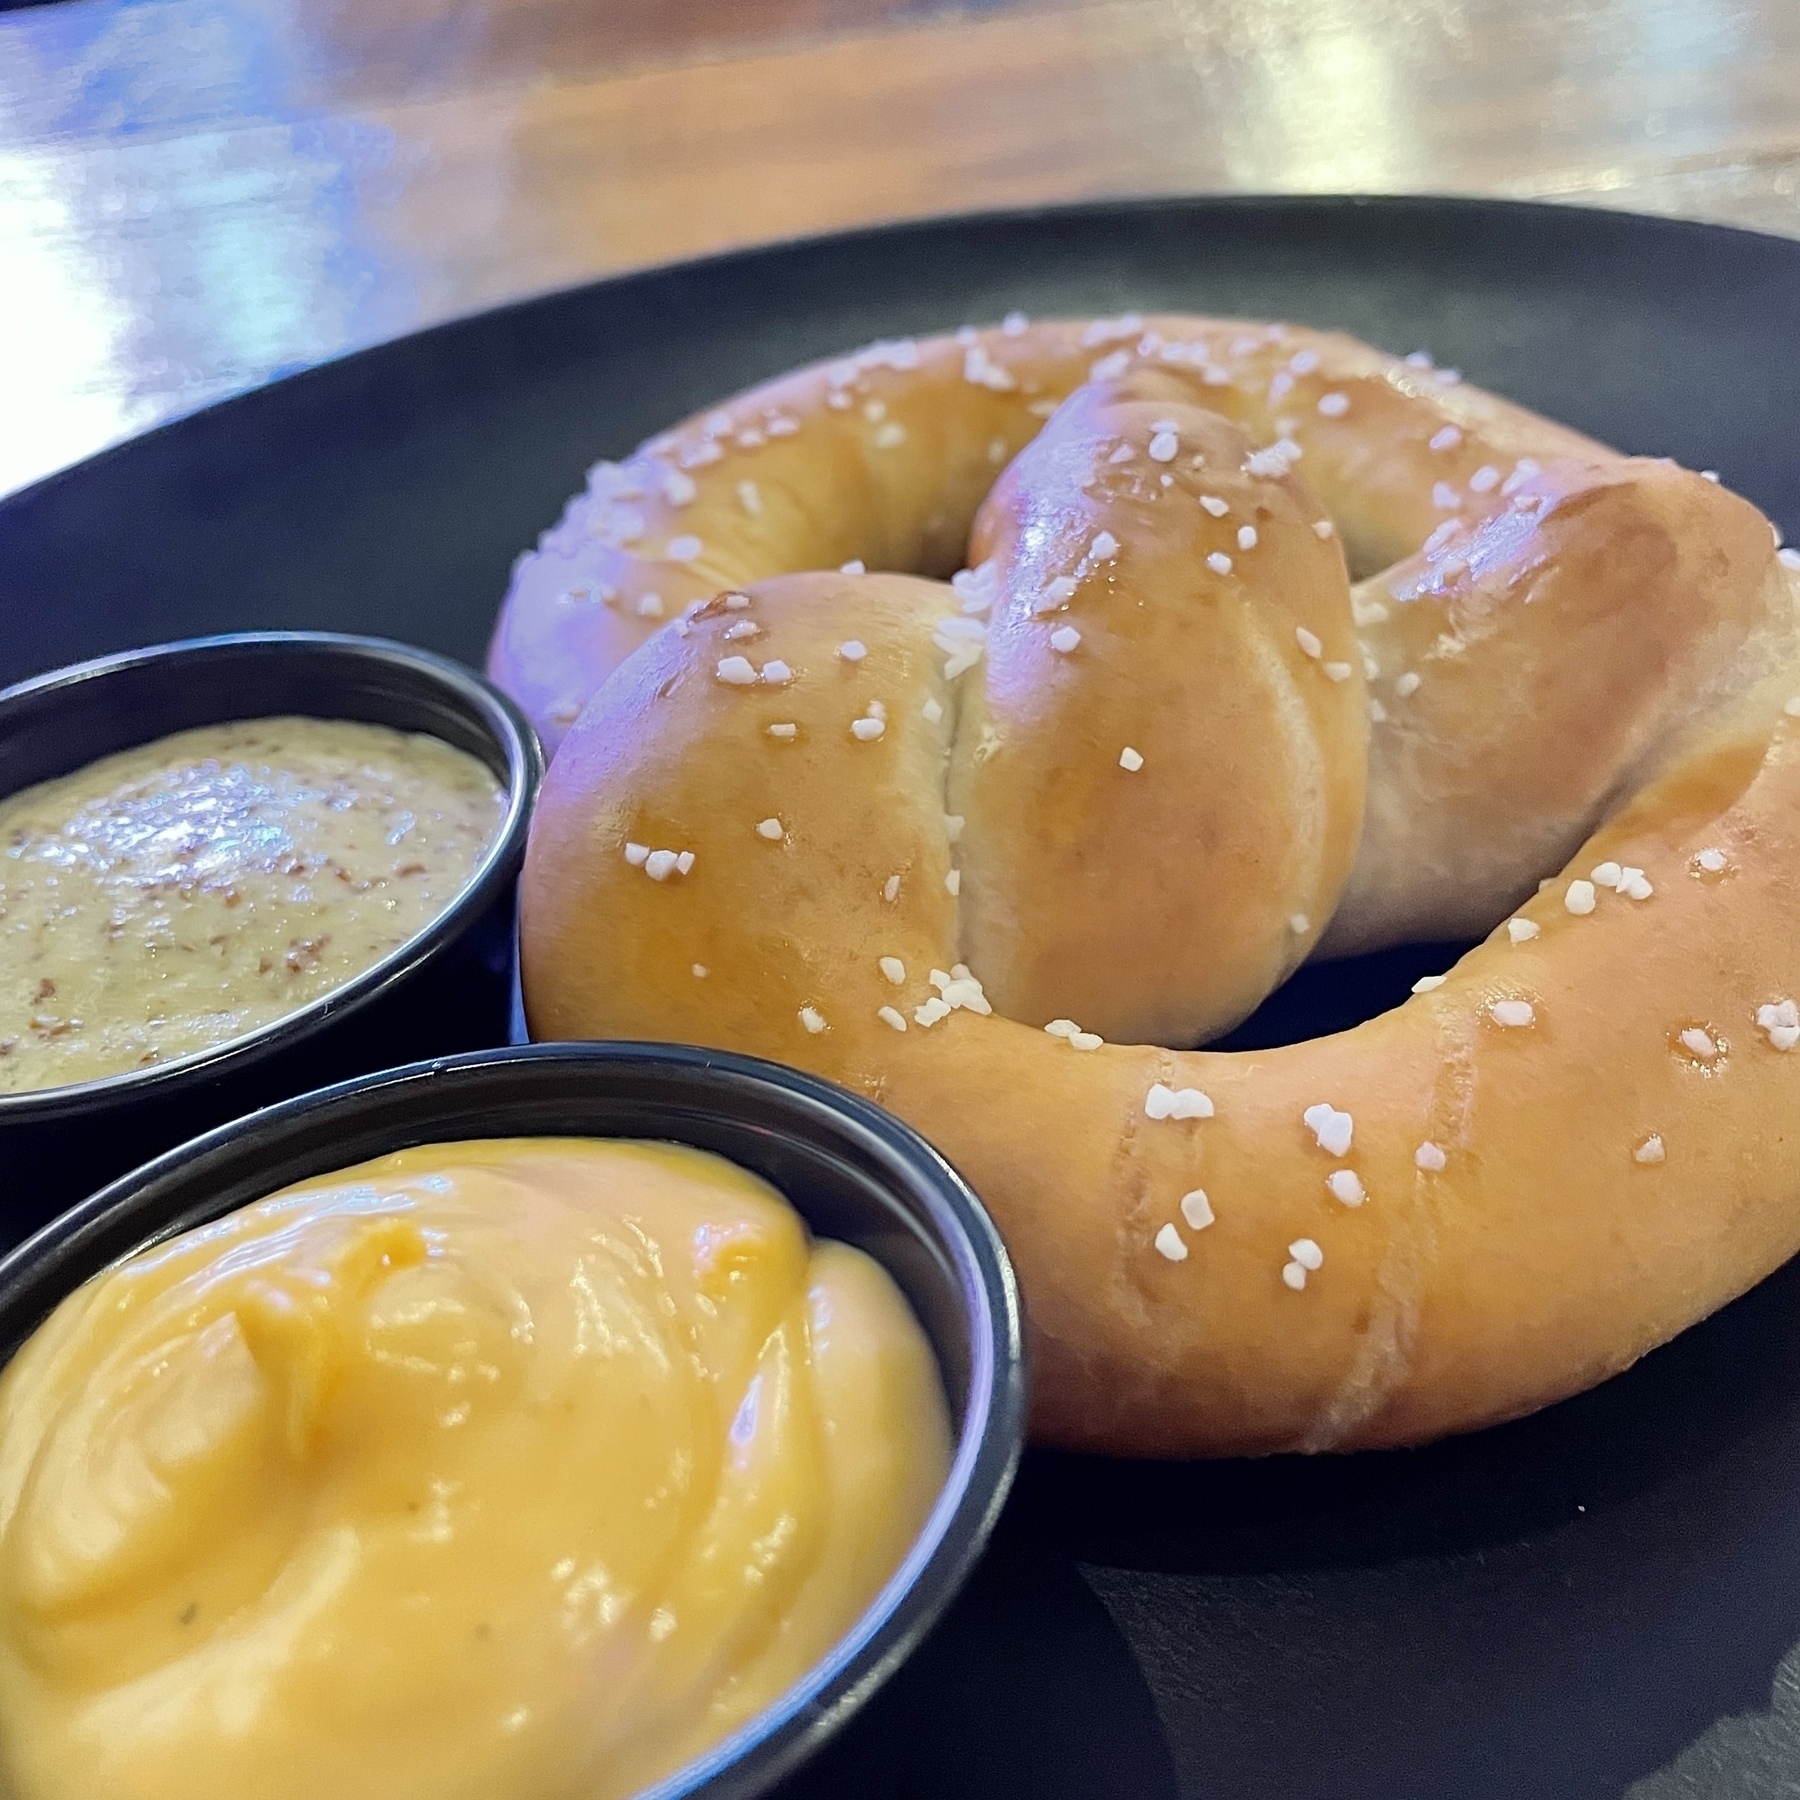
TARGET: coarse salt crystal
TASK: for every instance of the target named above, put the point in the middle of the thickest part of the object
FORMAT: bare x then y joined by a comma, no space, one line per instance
1712,861
953,883
1579,898
1512,1013
853,650
1130,760
1164,1102
812,1019
1196,1208
1306,1253
1219,563
1334,406
1064,639
1345,1185
636,854
1165,446
890,1015
1214,505
771,829
1169,1244
1104,545
867,730
1246,537
784,730
659,865
1429,1157
1332,1128
1273,461
1781,1020
1521,930
1427,984
1650,1150
776,673
1308,641
650,606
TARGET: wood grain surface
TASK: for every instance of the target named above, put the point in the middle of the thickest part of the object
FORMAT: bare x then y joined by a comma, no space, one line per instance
198,194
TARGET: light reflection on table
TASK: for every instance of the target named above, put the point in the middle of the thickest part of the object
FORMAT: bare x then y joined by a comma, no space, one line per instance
196,195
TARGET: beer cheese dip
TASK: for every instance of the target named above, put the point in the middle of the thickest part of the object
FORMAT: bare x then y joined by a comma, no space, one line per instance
520,1469
170,898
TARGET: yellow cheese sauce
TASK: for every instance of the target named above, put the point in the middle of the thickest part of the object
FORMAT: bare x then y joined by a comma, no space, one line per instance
509,1470
178,895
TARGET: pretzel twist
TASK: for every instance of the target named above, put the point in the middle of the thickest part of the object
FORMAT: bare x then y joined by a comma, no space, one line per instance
980,850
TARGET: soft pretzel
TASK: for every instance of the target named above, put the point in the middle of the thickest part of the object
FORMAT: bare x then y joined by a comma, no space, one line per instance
828,819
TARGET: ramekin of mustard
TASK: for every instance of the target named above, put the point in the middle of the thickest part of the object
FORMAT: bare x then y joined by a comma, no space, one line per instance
552,1423
234,870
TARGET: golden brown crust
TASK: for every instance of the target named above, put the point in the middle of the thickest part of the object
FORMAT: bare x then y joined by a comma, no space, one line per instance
1544,1176
885,457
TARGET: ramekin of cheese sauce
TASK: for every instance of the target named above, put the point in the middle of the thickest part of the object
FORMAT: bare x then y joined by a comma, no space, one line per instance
233,870
543,1424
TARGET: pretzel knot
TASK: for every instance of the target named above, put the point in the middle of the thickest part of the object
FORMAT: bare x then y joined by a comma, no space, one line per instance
1258,643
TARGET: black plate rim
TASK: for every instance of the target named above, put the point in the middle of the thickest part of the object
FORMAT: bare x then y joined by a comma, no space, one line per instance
1126,206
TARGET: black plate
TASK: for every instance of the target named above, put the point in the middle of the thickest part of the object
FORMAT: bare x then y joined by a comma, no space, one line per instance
1558,1608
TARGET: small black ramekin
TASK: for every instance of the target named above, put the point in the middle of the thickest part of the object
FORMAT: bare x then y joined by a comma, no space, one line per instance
445,989
853,1171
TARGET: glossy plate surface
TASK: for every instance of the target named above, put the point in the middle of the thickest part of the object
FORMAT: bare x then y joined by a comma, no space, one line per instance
1563,1607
